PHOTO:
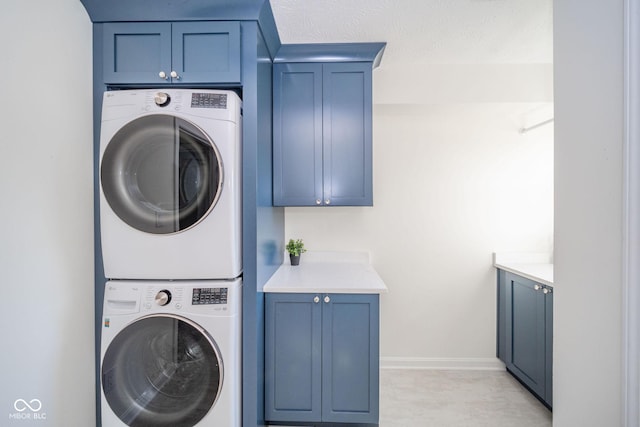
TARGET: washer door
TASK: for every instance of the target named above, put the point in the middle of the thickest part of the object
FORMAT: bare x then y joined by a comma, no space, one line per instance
161,174
162,371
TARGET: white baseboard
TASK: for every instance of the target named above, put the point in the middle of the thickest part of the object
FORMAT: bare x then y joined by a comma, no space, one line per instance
478,364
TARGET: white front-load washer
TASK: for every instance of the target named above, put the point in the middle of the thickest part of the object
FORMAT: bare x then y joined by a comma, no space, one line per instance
171,354
170,184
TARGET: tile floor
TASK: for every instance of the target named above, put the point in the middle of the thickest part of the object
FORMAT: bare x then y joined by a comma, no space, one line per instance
439,398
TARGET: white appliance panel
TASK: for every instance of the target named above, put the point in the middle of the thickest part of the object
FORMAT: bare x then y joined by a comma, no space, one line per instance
206,240
164,365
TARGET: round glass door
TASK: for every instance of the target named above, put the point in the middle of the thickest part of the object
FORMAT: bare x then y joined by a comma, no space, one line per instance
161,371
161,174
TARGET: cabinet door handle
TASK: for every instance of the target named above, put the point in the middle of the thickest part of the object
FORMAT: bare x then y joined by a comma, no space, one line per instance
327,300
162,75
318,201
547,290
327,202
175,75
316,299
536,287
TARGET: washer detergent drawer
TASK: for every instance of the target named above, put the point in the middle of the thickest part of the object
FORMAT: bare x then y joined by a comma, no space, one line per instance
121,300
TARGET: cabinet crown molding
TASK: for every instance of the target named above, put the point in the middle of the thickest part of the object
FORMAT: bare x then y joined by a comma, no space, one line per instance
331,52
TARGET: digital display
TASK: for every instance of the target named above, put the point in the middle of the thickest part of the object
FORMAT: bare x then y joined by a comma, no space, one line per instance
209,296
209,100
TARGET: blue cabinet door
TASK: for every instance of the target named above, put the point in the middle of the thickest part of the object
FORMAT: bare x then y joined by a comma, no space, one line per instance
322,358
206,52
297,134
529,331
350,355
163,52
322,134
293,358
136,53
347,124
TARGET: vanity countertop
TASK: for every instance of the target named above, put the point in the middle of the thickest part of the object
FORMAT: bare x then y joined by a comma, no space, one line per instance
535,266
327,272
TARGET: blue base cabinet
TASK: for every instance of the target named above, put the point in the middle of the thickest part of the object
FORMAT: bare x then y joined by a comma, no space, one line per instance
525,332
322,134
322,358
161,53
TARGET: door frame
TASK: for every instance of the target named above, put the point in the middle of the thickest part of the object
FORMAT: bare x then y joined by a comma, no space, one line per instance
631,218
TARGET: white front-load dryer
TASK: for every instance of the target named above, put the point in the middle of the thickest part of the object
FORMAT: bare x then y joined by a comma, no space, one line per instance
171,354
170,184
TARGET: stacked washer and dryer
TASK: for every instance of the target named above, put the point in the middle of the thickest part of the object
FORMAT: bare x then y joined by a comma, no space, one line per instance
170,222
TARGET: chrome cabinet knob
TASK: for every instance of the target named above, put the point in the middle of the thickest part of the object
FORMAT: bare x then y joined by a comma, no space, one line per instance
318,201
163,75
536,287
327,202
327,300
316,299
175,75
547,291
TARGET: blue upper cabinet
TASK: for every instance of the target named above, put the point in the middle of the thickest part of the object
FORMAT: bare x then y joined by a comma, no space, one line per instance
322,152
322,134
169,53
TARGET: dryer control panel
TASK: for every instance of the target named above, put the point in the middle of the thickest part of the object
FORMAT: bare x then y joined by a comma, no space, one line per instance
208,100
209,296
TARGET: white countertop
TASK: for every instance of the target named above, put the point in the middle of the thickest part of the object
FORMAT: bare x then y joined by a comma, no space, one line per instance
535,266
327,272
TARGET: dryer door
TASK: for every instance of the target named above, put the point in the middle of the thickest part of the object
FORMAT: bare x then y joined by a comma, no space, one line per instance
161,371
161,174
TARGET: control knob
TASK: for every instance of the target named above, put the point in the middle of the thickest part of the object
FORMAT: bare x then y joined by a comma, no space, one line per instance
163,297
162,99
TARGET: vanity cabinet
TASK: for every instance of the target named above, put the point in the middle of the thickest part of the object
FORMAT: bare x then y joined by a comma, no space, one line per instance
322,152
171,53
525,332
322,358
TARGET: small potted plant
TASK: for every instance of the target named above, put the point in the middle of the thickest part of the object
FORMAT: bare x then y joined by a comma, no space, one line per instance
295,249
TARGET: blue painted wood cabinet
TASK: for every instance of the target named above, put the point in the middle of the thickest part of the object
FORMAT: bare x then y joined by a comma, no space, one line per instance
322,134
130,42
322,358
171,52
525,332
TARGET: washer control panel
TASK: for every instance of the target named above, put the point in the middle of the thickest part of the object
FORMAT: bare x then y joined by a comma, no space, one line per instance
202,296
207,298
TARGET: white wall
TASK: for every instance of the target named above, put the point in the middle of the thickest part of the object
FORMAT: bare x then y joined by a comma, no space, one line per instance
588,49
46,220
453,182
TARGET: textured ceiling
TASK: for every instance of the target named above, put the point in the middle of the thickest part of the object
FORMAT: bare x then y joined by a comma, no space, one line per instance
426,31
